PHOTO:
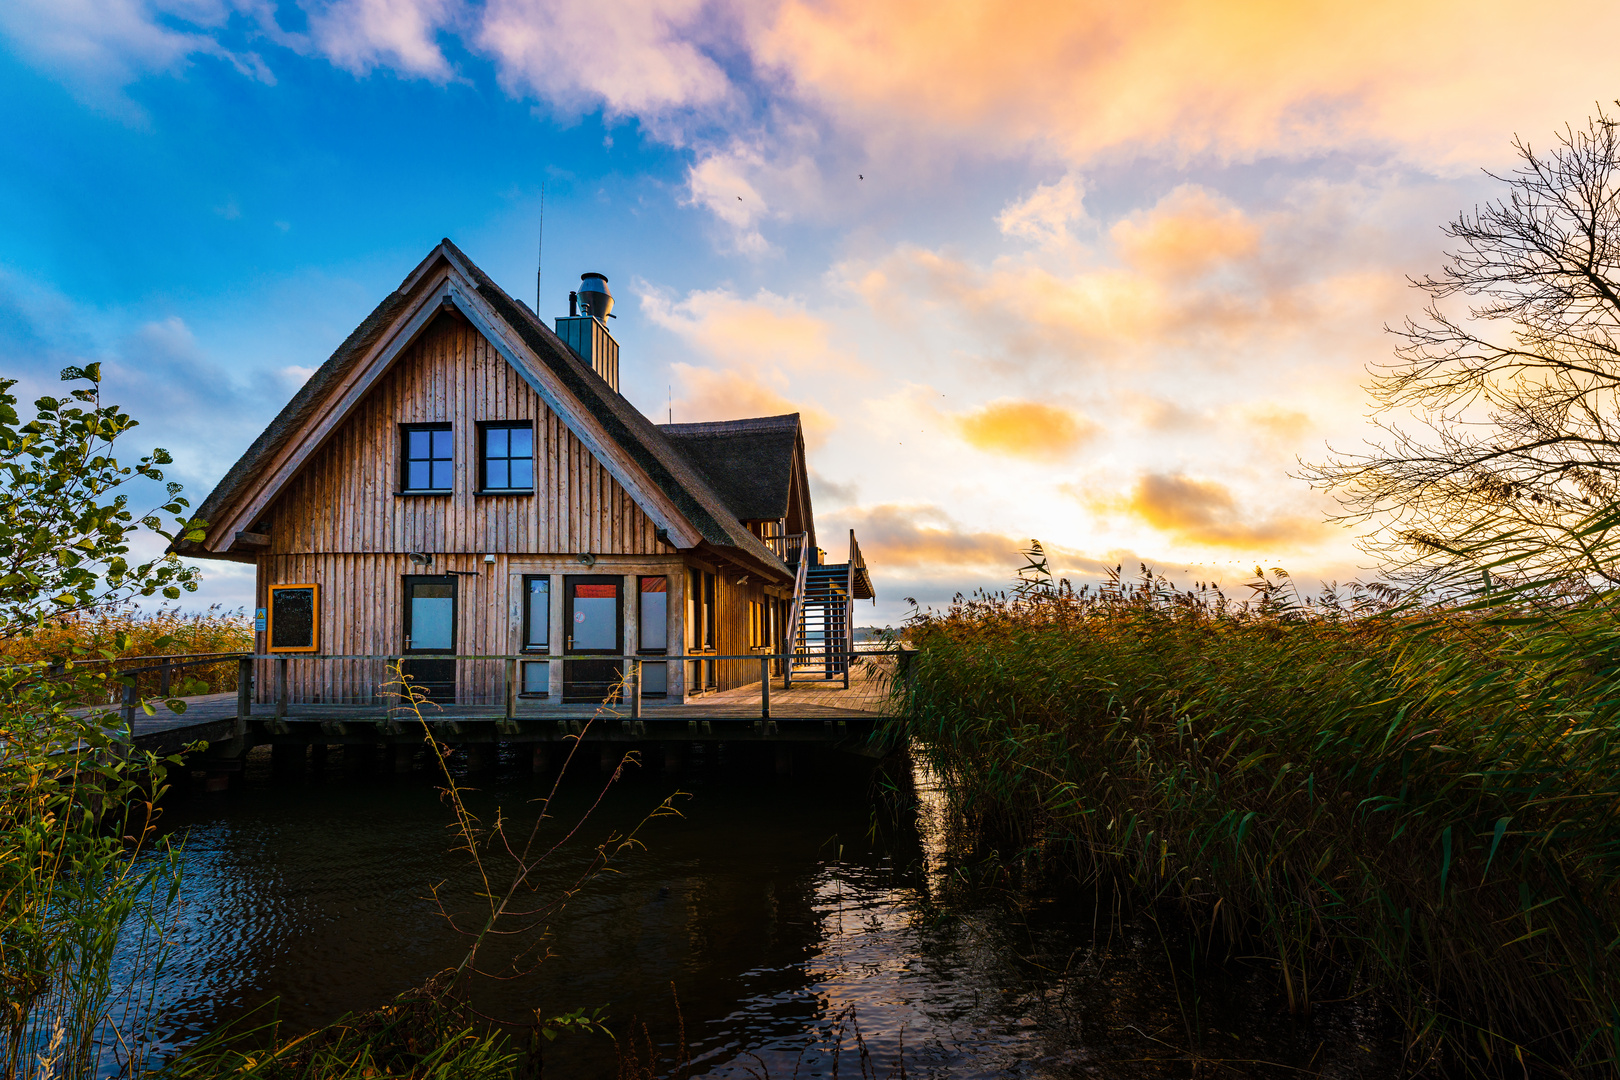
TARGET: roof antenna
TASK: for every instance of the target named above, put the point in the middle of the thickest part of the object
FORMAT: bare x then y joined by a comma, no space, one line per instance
539,249
670,390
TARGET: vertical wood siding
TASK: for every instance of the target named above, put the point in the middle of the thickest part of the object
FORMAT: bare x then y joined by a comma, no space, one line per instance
340,524
343,500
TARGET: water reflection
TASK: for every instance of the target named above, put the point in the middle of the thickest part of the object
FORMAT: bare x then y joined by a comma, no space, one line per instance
776,911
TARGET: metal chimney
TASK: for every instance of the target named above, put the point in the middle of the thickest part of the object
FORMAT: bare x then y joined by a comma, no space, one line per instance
594,297
586,332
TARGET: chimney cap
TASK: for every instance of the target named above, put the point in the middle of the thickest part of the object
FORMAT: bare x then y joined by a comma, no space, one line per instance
594,296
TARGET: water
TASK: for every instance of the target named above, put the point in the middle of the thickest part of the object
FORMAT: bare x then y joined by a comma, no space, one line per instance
778,911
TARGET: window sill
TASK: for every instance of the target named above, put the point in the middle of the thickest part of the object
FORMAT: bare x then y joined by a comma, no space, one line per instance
504,491
426,491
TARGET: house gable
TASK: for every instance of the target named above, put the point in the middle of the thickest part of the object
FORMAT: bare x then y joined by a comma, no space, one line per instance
661,484
344,498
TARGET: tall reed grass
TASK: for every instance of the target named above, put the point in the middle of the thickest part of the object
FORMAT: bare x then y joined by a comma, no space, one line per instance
1419,799
119,635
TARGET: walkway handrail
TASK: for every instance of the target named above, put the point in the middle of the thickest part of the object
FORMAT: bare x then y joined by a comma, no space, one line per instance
631,677
796,610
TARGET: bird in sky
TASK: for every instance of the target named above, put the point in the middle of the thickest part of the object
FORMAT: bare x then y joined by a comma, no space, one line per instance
861,175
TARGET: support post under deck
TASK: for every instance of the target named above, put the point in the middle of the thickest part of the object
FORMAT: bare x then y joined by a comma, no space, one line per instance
765,687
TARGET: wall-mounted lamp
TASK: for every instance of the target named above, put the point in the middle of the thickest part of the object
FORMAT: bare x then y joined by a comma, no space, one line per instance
489,560
421,558
586,558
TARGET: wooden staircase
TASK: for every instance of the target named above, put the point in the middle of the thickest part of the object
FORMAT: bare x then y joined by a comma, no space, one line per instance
821,624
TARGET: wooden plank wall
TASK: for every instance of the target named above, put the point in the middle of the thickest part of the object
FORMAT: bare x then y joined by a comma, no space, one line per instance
340,525
361,613
343,500
731,628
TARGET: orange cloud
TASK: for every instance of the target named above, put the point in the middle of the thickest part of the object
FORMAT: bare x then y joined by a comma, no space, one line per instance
1188,232
768,332
1240,79
1204,512
897,536
755,348
1278,422
1027,429
710,394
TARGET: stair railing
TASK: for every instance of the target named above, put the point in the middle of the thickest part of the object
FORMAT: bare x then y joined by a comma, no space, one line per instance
790,644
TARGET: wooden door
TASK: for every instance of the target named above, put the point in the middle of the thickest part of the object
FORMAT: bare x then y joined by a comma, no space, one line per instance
593,620
430,631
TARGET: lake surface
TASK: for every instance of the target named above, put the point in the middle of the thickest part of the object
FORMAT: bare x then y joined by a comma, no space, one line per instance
779,910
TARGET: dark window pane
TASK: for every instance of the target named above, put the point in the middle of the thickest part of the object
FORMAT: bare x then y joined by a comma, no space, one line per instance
441,475
539,612
495,442
292,619
522,472
441,444
418,442
522,442
418,477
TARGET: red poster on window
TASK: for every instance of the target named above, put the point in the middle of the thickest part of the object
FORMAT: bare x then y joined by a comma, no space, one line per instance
596,592
654,584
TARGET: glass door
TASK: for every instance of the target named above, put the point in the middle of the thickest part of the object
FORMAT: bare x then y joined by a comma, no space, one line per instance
593,619
430,630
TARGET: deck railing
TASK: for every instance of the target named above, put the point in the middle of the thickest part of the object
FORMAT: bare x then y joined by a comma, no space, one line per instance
787,546
385,668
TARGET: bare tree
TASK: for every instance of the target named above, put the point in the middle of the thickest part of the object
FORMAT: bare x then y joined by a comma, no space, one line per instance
1515,401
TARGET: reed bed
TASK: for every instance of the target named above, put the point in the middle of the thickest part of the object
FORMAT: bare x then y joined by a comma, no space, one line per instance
122,634
1415,800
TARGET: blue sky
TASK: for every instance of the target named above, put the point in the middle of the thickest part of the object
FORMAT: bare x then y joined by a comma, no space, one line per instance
1102,284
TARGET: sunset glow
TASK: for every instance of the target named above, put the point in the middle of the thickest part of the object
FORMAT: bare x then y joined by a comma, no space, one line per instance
1099,274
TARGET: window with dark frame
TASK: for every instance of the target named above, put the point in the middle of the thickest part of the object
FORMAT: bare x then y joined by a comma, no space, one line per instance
428,459
507,452
537,613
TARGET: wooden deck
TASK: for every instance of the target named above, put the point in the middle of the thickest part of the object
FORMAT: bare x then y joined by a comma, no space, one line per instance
811,711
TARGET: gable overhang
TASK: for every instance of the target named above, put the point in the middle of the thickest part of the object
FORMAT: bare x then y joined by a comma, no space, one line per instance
437,284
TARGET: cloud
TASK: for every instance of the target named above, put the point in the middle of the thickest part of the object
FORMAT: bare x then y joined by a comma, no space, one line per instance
754,350
710,394
1189,232
827,493
361,35
1191,278
1082,78
98,47
899,536
1044,216
1205,513
1028,429
631,57
1277,421
766,332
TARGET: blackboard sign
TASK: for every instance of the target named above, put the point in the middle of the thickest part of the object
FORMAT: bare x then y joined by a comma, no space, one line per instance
294,616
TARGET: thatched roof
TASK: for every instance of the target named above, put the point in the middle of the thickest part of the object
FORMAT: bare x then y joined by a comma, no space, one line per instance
749,463
688,488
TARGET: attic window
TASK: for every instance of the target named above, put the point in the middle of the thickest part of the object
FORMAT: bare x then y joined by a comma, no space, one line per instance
508,456
428,458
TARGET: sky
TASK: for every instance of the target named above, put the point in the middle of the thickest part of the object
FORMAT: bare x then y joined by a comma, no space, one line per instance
1098,274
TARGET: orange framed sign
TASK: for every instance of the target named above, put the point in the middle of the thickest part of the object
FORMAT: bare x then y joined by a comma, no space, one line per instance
295,619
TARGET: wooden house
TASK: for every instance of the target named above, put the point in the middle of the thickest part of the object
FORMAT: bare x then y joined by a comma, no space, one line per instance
460,481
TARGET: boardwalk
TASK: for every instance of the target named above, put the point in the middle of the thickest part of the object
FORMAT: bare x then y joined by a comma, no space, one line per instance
811,711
